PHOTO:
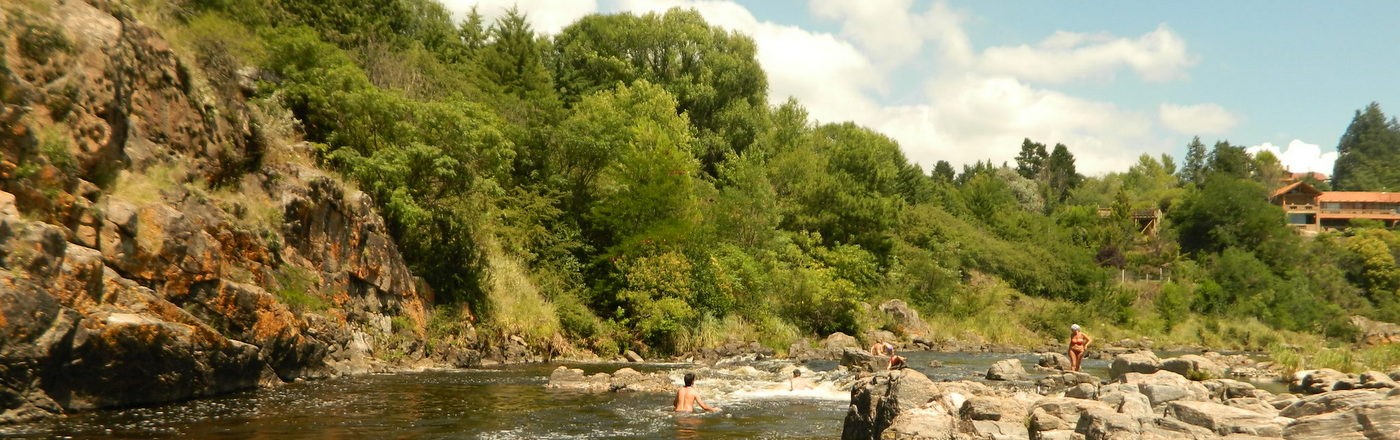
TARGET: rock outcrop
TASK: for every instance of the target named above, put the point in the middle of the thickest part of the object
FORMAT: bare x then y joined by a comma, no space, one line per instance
156,244
1159,405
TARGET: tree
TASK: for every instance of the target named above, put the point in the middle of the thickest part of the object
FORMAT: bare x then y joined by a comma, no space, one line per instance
1227,212
1230,160
1031,161
1368,153
1267,170
1195,170
712,72
943,172
1063,177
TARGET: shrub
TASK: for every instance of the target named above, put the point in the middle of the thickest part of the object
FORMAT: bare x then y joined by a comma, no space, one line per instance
40,41
297,289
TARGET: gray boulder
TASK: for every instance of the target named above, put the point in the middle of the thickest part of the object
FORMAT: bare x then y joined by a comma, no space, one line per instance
1225,420
1144,362
861,360
1329,402
1052,360
1006,369
1194,367
1378,419
1317,381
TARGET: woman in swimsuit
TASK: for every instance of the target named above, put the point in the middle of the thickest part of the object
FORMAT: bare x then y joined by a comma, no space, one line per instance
1078,344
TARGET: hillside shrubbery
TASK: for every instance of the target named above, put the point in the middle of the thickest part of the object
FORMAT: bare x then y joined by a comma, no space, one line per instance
624,184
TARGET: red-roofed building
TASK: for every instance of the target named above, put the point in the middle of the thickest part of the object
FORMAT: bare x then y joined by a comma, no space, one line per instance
1311,210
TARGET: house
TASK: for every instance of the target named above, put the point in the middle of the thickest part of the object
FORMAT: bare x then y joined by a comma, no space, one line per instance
1311,211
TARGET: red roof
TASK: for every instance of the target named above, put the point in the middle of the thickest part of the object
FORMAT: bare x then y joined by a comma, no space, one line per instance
1359,196
1300,185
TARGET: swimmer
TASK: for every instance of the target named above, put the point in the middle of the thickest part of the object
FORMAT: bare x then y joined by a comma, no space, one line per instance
797,383
687,398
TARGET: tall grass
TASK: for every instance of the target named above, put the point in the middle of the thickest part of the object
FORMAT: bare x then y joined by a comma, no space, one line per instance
514,303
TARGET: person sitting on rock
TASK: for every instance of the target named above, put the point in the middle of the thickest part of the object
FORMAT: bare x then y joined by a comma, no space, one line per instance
881,348
896,361
687,398
1078,344
797,383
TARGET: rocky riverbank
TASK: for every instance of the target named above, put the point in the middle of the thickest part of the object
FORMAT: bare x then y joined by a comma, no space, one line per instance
159,242
1144,398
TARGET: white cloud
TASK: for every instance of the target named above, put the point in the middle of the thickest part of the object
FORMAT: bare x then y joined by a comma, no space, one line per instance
975,105
828,75
1159,55
1197,119
546,16
1300,156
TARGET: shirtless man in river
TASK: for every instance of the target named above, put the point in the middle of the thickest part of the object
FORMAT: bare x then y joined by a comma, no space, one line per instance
687,398
1078,344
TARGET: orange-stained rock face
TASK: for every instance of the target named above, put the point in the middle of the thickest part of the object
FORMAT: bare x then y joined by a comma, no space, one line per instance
170,290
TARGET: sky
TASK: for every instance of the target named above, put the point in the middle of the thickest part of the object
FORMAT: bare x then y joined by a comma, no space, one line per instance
964,81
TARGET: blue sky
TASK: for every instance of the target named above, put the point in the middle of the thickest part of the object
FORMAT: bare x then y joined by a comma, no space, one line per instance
967,80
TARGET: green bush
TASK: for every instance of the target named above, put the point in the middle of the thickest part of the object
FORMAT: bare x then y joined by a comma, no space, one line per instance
40,41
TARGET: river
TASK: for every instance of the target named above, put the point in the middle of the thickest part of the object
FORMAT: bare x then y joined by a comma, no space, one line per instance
509,402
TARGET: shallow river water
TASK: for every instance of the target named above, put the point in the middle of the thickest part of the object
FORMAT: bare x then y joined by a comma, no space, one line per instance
510,402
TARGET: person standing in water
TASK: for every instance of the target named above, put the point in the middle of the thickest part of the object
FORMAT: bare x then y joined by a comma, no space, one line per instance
687,398
1078,344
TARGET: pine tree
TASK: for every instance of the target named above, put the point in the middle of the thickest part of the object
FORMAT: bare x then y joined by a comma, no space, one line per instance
1030,163
1368,153
1194,171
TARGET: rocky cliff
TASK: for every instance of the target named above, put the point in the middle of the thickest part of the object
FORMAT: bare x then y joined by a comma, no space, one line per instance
161,239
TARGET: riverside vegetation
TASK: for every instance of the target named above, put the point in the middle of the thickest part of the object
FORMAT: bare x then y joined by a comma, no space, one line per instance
626,185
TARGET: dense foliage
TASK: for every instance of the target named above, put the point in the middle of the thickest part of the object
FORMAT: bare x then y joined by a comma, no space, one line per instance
624,184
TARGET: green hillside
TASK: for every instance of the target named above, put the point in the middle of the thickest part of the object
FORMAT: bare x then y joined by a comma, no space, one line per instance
625,185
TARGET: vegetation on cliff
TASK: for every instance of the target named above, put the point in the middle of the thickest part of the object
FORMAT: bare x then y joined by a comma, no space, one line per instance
625,185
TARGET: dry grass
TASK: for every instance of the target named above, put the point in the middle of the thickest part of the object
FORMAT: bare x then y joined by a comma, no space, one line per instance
146,186
515,305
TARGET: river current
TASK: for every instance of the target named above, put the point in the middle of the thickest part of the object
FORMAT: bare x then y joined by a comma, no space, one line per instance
509,402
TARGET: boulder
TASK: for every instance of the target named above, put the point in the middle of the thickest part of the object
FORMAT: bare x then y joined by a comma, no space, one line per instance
1379,419
1194,367
861,360
1376,332
1329,402
994,408
837,342
1056,361
1128,402
632,356
1317,381
1225,420
1006,369
1375,379
1165,386
877,401
906,319
1082,391
1144,362
1104,424
1061,413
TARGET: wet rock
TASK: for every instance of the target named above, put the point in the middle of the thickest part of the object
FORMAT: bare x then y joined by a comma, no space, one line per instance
1144,362
1194,367
905,404
1006,369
